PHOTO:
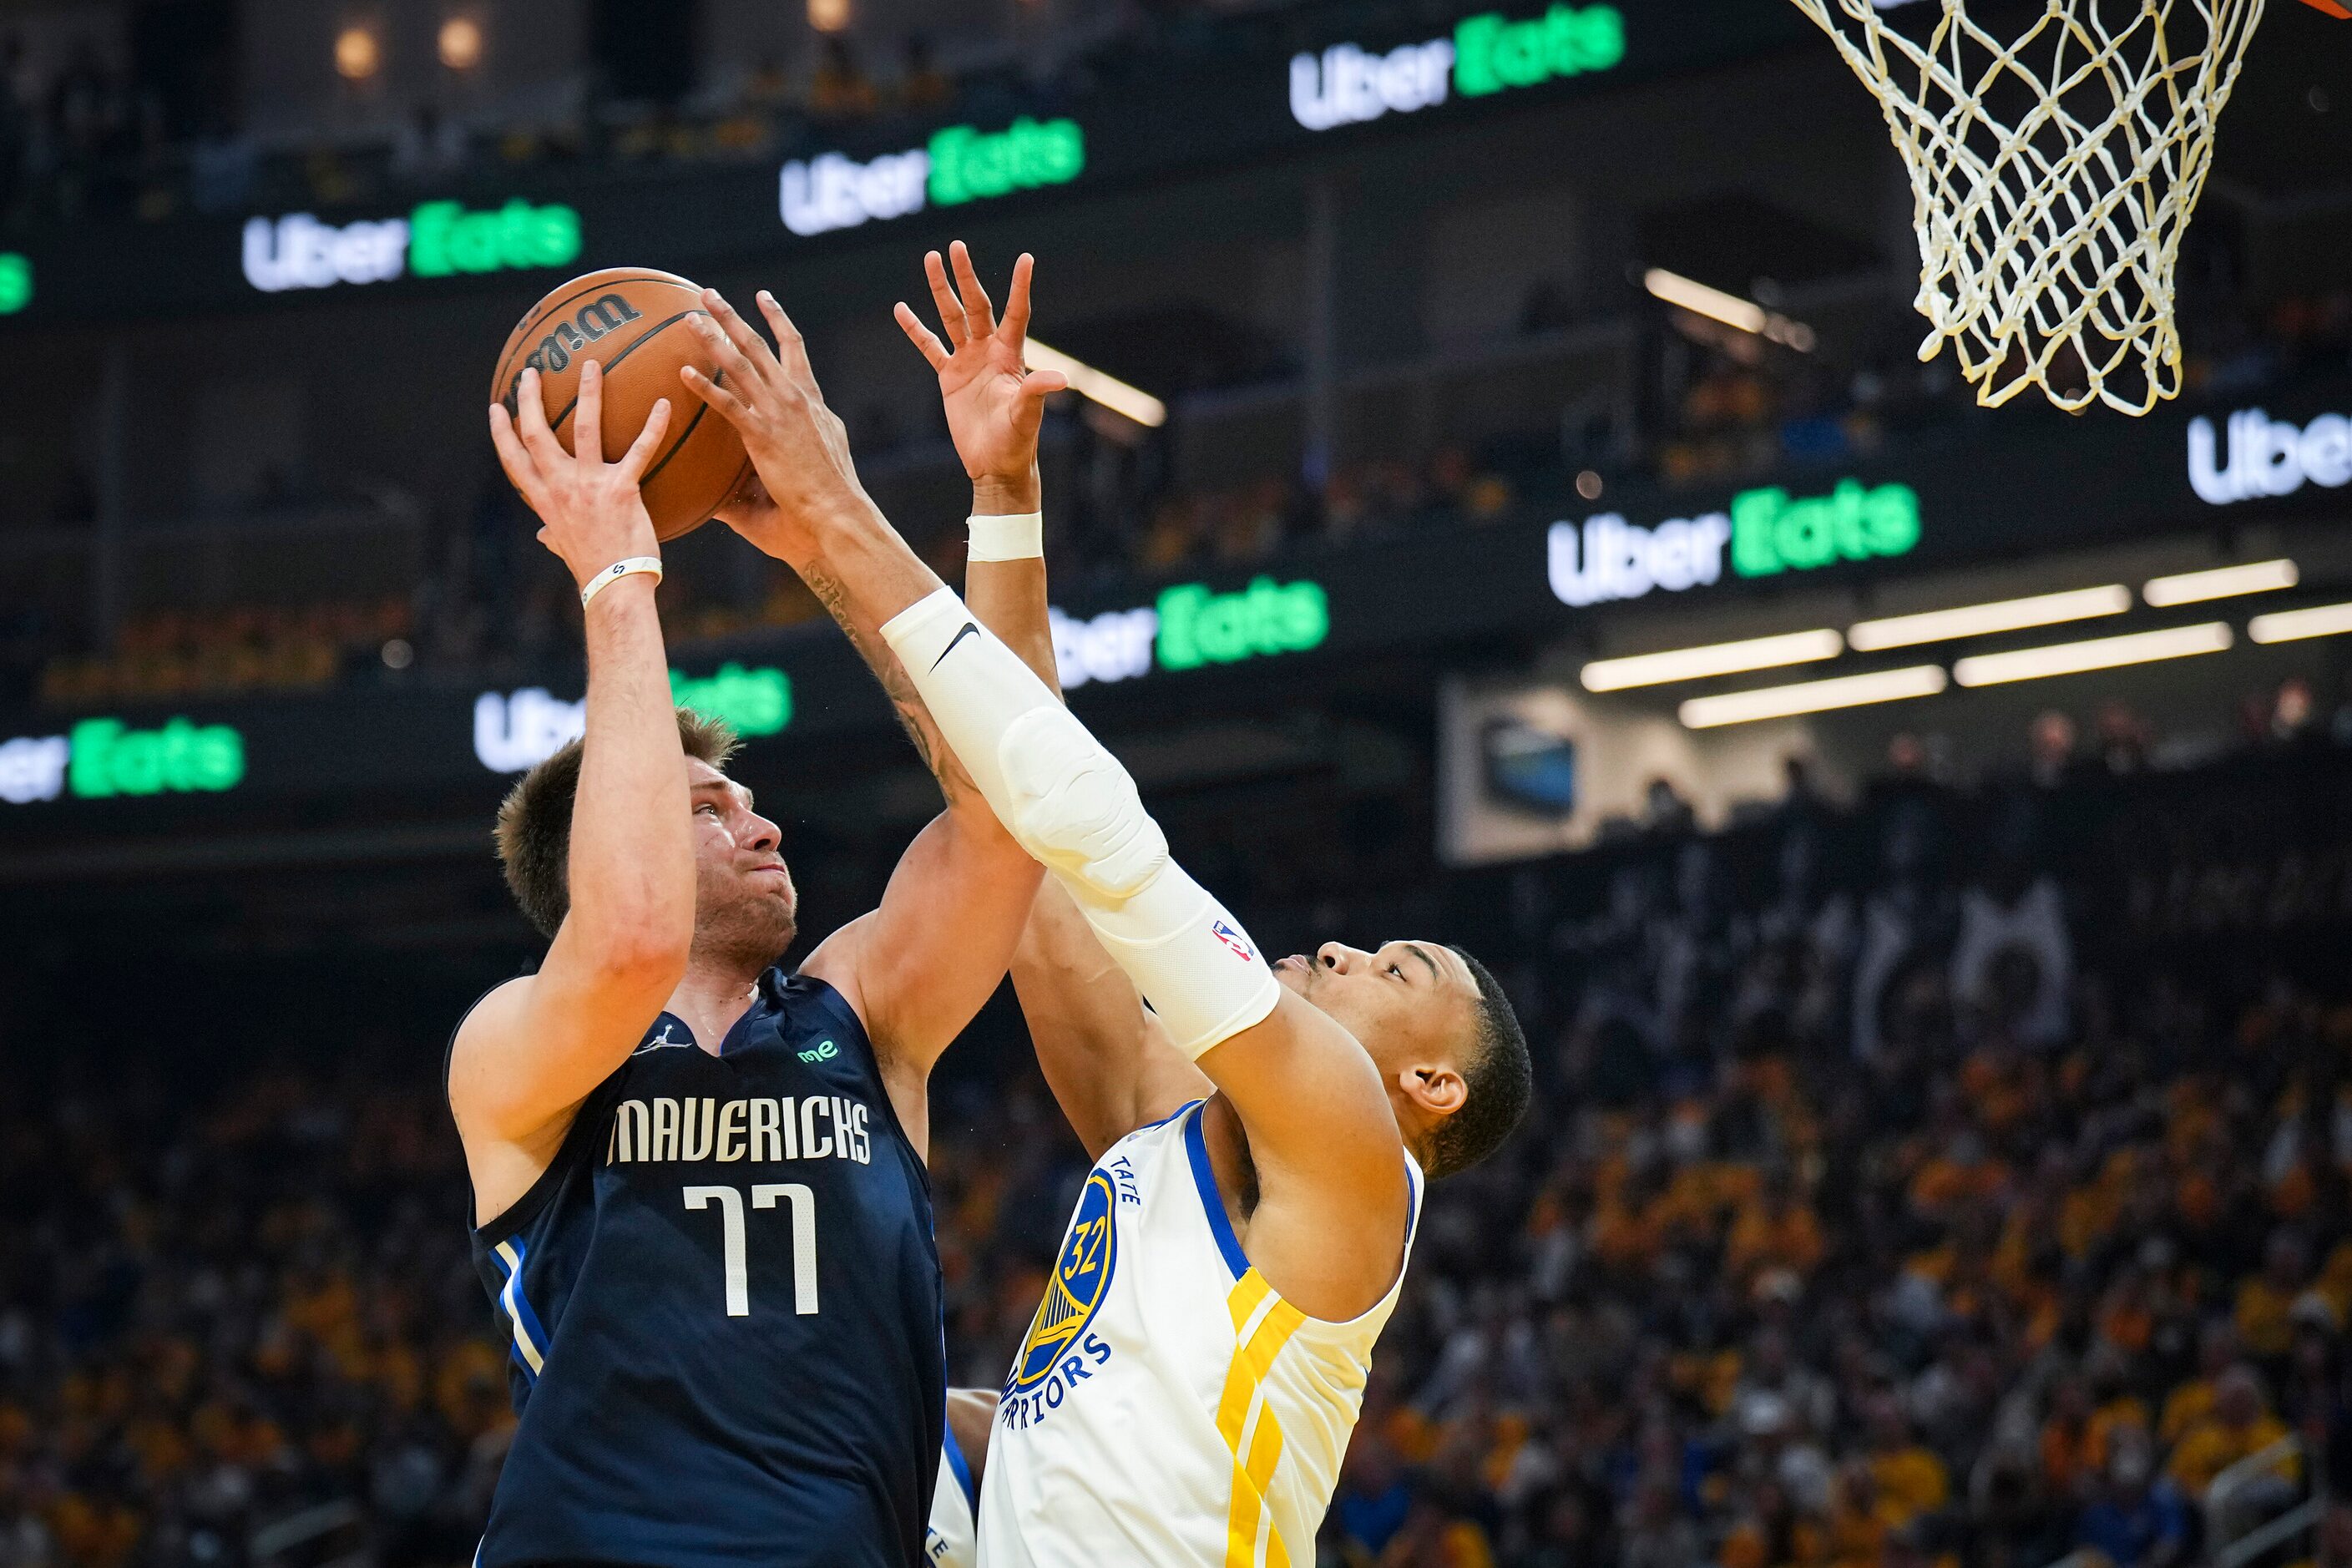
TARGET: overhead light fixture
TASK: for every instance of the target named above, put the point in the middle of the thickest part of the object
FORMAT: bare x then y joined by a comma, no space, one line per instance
2294,626
358,56
1108,390
2220,582
2097,653
1812,697
1980,620
1715,658
460,43
1747,315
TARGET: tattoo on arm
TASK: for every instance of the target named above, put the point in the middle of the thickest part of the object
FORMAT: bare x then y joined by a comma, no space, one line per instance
913,717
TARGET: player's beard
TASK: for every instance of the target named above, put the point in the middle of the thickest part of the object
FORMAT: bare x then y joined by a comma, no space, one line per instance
742,929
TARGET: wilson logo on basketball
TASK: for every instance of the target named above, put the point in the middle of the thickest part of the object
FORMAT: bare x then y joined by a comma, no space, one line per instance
593,322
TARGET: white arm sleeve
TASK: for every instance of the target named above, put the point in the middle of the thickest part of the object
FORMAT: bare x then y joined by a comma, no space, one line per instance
1067,800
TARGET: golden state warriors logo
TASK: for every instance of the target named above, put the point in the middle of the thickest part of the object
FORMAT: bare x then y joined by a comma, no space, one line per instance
1080,1280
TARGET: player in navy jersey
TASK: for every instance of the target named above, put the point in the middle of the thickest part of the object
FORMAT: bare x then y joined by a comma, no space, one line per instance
700,1199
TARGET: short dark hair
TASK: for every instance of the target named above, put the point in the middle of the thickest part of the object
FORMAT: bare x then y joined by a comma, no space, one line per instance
1497,1076
534,832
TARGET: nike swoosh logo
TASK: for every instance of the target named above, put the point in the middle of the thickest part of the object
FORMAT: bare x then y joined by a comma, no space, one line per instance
970,630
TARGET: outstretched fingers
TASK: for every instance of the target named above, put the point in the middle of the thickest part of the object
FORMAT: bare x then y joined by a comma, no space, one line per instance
531,423
640,454
737,332
1015,327
951,309
977,308
934,353
521,472
731,407
792,349
588,415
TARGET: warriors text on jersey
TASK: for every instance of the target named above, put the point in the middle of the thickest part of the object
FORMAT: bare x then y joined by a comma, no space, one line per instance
1167,1406
723,1304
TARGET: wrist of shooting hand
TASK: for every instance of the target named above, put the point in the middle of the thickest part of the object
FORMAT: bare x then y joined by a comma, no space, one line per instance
995,495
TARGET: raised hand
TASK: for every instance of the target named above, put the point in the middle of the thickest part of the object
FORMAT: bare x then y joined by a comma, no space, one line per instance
798,446
590,511
994,403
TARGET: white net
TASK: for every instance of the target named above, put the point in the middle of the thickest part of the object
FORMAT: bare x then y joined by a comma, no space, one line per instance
2052,174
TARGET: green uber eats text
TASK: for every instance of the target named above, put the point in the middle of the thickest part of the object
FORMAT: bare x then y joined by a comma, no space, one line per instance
444,238
1491,53
752,701
15,282
968,164
1199,627
1771,533
180,758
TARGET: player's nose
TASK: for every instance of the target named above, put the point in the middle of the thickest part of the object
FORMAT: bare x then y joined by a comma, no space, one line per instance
764,834
1339,957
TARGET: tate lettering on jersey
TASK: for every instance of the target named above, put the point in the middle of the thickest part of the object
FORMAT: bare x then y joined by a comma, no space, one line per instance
756,1129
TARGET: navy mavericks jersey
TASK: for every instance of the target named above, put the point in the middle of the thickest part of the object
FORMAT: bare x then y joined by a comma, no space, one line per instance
723,1301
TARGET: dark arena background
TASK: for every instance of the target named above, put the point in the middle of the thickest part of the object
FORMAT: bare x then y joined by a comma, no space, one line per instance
1942,1149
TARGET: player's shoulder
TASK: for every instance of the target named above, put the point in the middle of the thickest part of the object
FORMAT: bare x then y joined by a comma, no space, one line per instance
486,1014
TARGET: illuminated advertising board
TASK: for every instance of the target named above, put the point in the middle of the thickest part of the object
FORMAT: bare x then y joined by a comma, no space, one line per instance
514,731
1486,54
437,239
99,759
960,163
1190,626
1768,531
2259,457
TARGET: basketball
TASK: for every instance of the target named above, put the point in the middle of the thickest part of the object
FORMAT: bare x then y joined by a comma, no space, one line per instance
633,322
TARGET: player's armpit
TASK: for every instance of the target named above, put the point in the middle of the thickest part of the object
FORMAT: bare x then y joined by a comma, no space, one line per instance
922,963
526,1058
1107,1060
1329,1232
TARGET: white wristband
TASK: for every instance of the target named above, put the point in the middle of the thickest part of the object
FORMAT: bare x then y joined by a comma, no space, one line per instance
615,572
1020,537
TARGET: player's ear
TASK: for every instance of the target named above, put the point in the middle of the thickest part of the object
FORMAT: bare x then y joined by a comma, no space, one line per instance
1434,1086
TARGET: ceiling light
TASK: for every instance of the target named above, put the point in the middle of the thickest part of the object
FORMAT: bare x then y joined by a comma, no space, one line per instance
1979,620
2220,582
2292,625
357,54
1812,697
1108,390
1695,297
1715,659
461,43
828,16
2099,653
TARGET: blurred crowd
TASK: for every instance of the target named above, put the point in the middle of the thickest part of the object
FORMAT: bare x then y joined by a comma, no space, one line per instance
1958,1178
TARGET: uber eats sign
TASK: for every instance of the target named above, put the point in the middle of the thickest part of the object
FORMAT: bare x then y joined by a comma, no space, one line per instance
1191,627
1767,532
961,164
100,759
518,729
1486,54
438,239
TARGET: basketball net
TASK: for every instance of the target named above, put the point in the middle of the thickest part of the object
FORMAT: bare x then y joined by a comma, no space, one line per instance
2052,175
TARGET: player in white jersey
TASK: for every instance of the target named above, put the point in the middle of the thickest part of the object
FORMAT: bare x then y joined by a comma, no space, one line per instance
1260,1131
953,1539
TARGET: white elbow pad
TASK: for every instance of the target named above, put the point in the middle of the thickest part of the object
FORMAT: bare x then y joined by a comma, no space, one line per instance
1067,800
1206,979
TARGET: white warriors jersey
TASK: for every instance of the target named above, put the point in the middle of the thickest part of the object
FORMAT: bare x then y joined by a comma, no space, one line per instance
1168,1407
952,1538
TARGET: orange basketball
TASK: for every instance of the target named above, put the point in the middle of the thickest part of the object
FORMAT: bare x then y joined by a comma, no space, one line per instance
633,322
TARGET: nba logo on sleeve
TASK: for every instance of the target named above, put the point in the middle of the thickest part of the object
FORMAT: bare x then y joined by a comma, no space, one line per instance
1233,938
